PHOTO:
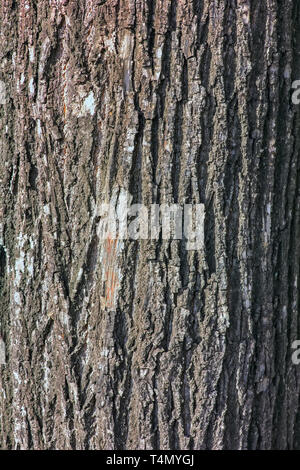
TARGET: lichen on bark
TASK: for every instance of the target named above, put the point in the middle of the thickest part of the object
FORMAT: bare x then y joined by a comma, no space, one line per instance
145,344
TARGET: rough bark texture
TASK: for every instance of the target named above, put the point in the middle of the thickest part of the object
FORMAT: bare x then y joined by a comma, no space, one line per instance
142,345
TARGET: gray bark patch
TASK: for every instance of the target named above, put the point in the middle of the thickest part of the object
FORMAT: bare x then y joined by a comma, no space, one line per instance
2,352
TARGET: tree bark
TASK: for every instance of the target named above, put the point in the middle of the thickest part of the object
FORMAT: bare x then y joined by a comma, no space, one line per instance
145,344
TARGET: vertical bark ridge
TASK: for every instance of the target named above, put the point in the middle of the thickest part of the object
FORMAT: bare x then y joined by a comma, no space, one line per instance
143,344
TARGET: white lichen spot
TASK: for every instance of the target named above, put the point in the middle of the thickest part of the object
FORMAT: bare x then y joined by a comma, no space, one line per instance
184,312
31,54
2,352
127,45
17,377
31,86
47,209
2,92
39,129
245,14
143,372
79,274
105,352
46,379
19,268
284,312
110,43
267,224
159,52
129,144
17,298
287,71
30,267
89,104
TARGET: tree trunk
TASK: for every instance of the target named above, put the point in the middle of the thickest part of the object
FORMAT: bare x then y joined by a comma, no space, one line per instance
125,344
